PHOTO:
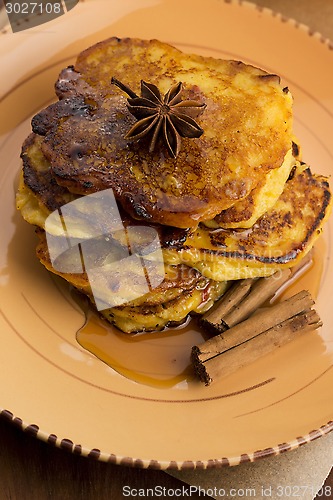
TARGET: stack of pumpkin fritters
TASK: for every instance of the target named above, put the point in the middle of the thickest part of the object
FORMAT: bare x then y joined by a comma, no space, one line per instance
236,202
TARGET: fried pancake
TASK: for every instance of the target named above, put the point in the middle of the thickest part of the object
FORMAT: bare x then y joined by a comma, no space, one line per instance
39,181
38,195
247,131
32,210
174,312
280,238
246,212
38,176
183,291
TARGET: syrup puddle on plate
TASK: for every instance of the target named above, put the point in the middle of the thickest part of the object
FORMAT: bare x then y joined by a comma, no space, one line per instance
162,359
159,359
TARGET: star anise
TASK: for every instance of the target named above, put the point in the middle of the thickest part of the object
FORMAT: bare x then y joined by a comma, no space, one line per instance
170,116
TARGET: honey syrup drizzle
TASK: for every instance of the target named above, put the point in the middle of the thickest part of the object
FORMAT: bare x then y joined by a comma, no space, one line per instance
159,359
162,359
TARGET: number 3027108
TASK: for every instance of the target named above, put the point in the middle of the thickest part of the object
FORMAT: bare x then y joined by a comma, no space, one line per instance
33,8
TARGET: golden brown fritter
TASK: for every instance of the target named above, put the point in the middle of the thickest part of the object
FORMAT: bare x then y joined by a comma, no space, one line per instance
280,238
247,131
38,195
38,176
245,213
183,290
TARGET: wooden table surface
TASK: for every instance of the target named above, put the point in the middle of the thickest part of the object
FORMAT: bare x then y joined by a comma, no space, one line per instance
33,470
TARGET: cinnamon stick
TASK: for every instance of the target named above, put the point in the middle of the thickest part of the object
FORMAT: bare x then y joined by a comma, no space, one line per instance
255,337
244,297
213,321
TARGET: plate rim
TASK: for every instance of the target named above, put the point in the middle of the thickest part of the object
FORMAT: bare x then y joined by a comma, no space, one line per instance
67,444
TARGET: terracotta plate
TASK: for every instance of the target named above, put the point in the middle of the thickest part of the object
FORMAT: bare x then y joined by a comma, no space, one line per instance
147,410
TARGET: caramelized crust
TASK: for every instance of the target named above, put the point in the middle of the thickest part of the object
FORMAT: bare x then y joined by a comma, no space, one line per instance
38,176
247,131
39,194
